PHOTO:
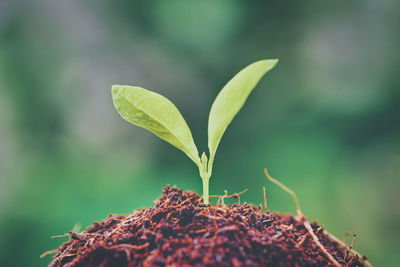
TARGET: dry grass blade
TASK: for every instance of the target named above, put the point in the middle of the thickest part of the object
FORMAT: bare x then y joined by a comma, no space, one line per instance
352,252
303,220
53,251
265,199
285,188
316,240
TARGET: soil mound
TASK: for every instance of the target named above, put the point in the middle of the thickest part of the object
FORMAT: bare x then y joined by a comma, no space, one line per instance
181,231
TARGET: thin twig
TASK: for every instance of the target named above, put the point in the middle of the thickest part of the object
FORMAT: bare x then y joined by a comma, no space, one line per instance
244,191
48,253
58,236
351,246
303,219
238,196
301,242
221,197
296,201
224,196
345,236
307,225
352,251
265,200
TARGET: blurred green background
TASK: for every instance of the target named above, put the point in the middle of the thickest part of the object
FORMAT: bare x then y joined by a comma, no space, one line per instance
325,121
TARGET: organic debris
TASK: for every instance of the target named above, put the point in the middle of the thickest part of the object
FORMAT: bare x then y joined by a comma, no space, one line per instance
180,230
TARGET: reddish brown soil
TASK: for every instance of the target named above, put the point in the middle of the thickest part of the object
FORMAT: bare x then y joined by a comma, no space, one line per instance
181,231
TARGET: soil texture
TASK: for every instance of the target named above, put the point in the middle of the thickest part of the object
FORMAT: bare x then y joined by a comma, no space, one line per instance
182,231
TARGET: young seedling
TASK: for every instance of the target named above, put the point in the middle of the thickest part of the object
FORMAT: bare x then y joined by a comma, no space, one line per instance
157,114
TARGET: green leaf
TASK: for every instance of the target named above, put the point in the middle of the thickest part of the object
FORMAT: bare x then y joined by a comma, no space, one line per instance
157,114
231,99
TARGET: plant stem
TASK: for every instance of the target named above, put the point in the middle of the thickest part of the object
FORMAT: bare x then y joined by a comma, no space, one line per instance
205,190
205,176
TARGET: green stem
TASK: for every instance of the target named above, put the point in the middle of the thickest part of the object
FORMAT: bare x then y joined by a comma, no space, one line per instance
205,190
205,176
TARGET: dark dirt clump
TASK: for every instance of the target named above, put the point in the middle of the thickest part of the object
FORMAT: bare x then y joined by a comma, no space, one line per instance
181,231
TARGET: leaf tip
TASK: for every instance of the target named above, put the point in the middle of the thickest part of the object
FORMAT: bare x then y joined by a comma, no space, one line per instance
269,63
204,159
115,90
275,61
